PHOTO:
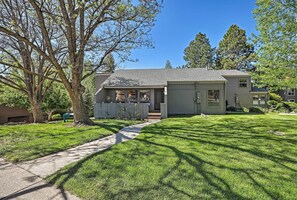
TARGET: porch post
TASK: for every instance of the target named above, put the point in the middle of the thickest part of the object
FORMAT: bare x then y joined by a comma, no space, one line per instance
164,106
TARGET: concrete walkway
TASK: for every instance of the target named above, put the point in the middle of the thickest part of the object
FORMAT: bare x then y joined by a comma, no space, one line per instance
24,180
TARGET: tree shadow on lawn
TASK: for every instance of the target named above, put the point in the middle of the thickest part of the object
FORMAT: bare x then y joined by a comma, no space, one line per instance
216,186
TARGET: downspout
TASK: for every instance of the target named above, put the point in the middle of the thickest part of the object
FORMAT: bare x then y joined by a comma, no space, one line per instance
196,105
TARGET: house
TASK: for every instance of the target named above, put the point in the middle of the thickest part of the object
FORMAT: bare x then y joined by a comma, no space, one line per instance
288,95
14,114
136,93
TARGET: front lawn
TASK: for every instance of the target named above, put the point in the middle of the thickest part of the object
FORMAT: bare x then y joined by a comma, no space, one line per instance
215,157
30,141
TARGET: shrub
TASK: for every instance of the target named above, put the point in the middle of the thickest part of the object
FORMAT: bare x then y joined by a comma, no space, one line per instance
245,109
292,106
275,97
258,110
272,103
283,110
57,117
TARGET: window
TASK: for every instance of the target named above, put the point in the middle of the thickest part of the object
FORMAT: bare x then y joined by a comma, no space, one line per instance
291,100
120,96
291,92
132,96
259,99
262,99
243,82
213,97
144,96
256,100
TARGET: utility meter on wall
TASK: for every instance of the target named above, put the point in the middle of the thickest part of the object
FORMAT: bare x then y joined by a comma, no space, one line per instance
198,97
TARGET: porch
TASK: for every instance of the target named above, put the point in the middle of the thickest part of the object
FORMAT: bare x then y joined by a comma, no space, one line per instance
135,103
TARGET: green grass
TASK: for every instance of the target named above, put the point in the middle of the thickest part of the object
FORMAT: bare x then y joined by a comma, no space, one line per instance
30,141
216,157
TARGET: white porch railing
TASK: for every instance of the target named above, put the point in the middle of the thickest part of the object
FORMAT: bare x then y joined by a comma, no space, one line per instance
121,110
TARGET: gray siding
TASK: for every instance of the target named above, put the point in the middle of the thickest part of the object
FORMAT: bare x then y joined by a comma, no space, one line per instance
181,98
99,79
233,89
286,97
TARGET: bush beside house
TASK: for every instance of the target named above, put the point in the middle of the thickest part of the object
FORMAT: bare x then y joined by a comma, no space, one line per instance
277,104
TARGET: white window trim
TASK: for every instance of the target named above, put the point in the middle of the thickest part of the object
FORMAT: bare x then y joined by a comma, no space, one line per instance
292,91
291,100
243,82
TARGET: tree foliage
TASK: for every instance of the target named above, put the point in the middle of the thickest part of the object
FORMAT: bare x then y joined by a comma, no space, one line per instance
276,43
74,31
168,65
199,53
234,52
109,65
21,67
13,98
56,100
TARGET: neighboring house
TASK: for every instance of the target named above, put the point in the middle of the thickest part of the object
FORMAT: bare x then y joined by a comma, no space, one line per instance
288,95
136,93
14,114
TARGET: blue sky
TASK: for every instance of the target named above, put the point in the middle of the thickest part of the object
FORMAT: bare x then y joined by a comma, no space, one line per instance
179,22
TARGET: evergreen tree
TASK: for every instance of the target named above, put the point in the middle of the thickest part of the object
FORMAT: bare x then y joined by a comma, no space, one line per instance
276,43
168,65
199,53
234,52
109,64
90,90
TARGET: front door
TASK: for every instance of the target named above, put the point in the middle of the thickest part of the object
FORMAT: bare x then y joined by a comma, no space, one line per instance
159,98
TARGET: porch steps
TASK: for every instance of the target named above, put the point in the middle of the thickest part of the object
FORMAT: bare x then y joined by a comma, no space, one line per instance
154,115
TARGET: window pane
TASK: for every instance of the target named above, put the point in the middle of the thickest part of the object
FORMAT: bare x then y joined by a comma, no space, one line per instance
144,96
255,99
291,92
213,97
120,96
243,82
262,99
132,96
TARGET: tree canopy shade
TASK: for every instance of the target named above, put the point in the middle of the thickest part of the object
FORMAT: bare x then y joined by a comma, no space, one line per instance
74,31
234,52
276,43
168,65
199,53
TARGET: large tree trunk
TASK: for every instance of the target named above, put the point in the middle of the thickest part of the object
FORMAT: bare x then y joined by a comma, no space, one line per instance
37,112
79,111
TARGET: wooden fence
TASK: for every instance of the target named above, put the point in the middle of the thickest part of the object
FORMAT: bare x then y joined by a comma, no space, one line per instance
121,110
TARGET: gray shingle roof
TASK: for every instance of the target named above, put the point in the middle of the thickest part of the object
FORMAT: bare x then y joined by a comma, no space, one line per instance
160,77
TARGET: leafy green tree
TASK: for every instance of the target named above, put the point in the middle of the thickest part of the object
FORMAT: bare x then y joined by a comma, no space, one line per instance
56,100
276,43
168,65
234,52
73,31
199,53
13,98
